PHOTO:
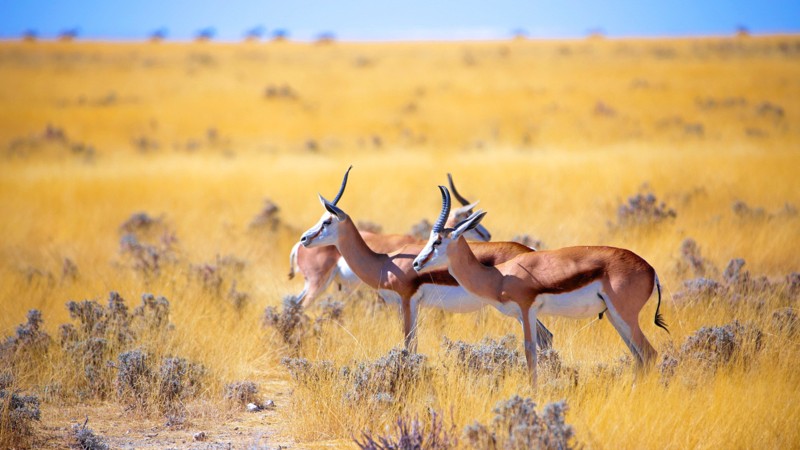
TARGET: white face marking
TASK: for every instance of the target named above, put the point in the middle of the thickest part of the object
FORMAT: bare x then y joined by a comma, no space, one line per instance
578,304
324,232
434,254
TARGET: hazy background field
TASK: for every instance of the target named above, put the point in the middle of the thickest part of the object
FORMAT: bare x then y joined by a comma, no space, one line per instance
551,136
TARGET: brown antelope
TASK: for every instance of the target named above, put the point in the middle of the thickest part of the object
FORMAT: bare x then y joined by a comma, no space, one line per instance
575,282
393,275
323,266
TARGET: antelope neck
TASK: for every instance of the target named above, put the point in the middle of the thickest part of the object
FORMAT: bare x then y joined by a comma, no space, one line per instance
364,262
480,280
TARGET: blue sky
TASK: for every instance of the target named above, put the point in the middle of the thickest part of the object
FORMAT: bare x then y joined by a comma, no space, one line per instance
397,20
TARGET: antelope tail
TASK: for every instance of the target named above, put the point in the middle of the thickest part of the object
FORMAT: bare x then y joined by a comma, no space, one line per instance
293,260
659,318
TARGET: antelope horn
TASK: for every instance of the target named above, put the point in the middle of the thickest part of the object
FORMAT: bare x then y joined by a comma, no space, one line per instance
461,199
341,189
439,225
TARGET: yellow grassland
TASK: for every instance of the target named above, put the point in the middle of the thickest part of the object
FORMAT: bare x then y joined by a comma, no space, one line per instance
551,136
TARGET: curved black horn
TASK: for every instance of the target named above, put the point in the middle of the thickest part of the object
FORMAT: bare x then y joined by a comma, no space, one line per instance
464,202
439,225
341,189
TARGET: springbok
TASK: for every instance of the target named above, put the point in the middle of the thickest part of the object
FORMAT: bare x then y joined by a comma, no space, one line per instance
393,275
575,282
324,265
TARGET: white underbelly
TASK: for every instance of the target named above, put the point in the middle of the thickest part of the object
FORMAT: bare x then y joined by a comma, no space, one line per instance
449,298
578,304
346,276
510,309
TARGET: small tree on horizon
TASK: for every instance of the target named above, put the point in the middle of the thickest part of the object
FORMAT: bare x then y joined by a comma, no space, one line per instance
255,33
280,34
30,35
68,35
205,34
158,35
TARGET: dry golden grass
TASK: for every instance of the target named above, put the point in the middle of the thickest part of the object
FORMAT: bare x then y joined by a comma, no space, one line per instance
550,136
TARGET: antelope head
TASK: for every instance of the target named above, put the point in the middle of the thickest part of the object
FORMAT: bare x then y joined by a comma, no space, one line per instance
326,231
434,254
479,233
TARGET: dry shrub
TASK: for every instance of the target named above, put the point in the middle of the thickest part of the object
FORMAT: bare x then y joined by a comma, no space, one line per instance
100,333
179,379
692,261
711,348
290,322
294,326
83,438
746,212
17,415
309,373
412,434
490,356
147,243
737,286
134,377
30,341
785,321
643,209
141,385
386,378
517,425
241,392
381,381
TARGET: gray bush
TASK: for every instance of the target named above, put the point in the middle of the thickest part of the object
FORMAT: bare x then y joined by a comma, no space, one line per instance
517,425
412,434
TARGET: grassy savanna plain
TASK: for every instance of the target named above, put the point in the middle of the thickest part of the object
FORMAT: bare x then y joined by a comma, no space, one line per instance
551,136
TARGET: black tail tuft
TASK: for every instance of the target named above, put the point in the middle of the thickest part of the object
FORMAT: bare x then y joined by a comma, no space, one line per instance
659,318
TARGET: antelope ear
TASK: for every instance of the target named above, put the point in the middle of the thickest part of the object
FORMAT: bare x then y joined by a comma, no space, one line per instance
468,224
466,208
333,209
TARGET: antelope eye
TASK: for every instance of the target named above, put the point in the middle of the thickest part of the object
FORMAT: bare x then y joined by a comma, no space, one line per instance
327,222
